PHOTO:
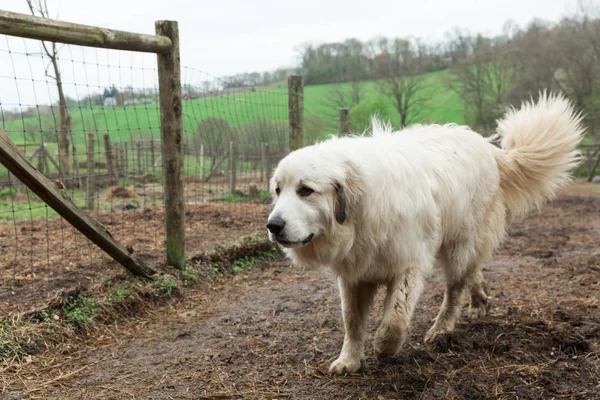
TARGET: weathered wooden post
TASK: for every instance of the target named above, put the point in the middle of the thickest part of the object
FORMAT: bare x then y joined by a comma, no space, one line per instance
296,111
592,168
152,156
171,132
232,167
344,114
116,150
77,183
263,162
139,145
201,162
91,179
268,162
110,165
125,158
40,157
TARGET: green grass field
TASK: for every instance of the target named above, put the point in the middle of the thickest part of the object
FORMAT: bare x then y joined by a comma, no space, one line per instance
242,109
444,107
245,109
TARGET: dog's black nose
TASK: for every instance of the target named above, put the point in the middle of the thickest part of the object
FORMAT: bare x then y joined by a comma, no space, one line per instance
275,225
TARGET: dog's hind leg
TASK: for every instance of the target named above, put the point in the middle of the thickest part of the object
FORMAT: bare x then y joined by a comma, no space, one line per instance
458,265
402,296
463,270
480,304
356,302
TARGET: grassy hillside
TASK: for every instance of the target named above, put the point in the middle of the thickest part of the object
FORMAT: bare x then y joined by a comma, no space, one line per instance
241,109
445,105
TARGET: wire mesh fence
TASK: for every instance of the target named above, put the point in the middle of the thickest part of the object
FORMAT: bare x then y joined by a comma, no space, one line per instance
89,119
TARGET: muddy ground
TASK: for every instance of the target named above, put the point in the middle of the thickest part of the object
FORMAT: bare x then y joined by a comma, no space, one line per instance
39,258
271,333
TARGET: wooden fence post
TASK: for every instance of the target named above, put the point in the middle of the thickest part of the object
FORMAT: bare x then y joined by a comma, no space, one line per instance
91,179
296,111
232,167
110,165
152,155
268,163
592,168
171,131
40,157
344,121
263,162
76,167
116,150
138,152
122,160
48,156
126,158
202,162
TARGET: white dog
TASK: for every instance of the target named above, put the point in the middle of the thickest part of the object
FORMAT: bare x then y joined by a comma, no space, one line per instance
382,210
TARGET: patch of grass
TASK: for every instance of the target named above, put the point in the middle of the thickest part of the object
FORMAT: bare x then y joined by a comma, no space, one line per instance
248,262
165,285
216,270
242,264
9,340
7,192
80,311
190,275
47,315
232,198
119,294
253,238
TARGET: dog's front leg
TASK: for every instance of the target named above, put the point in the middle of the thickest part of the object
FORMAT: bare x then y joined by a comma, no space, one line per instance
356,301
400,302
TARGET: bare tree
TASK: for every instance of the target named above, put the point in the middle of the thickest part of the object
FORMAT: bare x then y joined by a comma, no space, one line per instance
214,134
483,80
342,96
40,8
406,91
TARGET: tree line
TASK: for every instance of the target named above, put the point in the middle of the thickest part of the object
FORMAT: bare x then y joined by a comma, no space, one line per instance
487,73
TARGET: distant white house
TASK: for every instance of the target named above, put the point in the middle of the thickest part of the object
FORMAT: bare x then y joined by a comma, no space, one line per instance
110,102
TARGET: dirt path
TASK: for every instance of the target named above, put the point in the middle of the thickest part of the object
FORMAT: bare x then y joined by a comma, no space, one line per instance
272,332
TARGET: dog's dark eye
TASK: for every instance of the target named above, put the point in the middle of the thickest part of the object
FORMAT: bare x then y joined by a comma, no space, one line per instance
277,191
305,191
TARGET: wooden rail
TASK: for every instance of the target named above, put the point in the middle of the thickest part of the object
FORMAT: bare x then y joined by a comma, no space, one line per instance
27,26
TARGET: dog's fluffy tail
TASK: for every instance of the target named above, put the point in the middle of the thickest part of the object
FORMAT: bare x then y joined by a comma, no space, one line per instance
538,149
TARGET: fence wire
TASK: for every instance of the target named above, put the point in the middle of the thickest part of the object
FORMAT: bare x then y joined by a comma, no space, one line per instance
100,136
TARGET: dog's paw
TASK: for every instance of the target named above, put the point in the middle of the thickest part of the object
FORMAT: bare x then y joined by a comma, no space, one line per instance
387,345
479,309
343,366
434,332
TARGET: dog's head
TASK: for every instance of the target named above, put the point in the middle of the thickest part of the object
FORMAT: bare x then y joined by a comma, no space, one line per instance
313,190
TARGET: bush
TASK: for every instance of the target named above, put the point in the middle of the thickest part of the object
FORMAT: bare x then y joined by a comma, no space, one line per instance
361,114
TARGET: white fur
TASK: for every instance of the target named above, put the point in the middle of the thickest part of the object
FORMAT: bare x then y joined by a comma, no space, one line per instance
412,198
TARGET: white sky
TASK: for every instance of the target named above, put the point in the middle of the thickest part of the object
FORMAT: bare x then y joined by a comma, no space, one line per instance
223,37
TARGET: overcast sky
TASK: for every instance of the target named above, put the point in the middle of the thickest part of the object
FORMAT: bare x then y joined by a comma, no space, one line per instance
223,37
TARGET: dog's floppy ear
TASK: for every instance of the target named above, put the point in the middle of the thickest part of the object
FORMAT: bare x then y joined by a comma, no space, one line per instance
340,203
347,195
